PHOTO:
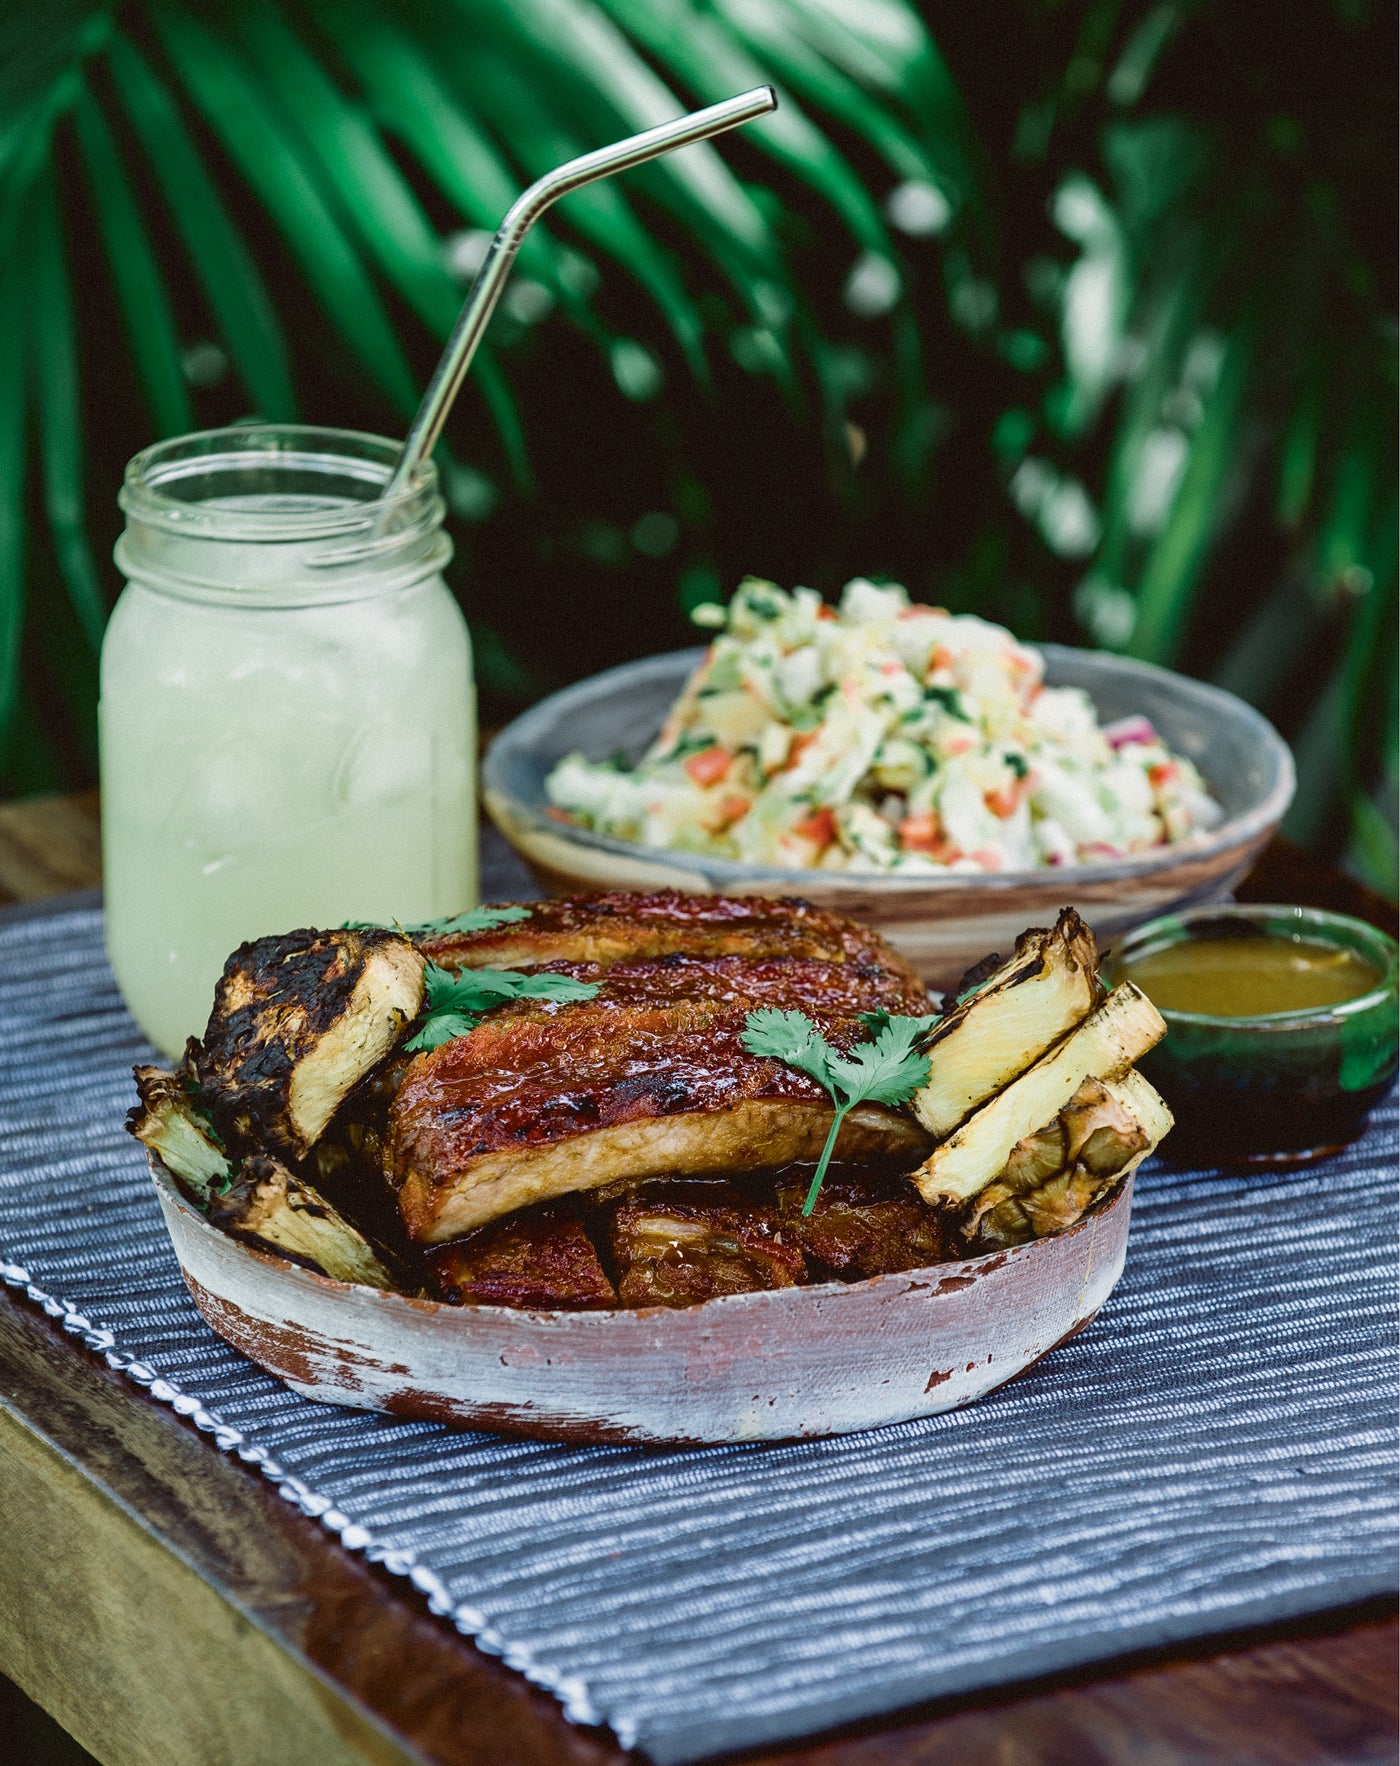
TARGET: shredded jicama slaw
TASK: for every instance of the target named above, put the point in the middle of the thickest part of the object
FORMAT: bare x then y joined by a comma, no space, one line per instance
885,736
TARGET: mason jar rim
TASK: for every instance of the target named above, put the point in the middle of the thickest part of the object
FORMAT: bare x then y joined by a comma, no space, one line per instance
359,459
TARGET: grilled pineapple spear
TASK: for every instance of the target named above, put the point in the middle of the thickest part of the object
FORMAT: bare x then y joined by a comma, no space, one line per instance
1103,1047
298,1021
266,1205
1031,1091
171,1124
1014,1014
1057,1174
271,1208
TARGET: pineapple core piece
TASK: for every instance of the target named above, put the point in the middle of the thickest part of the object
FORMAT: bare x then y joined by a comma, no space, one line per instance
1104,1046
271,1208
171,1124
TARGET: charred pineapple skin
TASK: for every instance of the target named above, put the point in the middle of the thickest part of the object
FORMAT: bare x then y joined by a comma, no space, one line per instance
1056,1175
298,1021
1102,1046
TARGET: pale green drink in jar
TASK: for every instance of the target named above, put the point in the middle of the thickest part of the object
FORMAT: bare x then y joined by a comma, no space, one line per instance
287,718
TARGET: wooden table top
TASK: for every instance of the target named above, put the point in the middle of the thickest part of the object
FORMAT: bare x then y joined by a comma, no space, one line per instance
167,1606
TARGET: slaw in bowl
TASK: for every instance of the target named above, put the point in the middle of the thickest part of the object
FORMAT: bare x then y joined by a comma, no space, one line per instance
884,737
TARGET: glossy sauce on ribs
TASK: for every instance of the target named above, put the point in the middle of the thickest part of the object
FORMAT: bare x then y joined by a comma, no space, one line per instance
649,1078
610,929
682,1241
862,1226
676,1244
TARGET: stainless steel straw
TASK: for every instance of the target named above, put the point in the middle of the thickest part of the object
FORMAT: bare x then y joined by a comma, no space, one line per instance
522,215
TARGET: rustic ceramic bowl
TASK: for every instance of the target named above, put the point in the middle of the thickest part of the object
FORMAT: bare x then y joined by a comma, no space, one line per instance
824,1360
942,924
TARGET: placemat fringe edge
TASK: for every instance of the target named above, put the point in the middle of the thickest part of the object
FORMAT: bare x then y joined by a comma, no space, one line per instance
571,1691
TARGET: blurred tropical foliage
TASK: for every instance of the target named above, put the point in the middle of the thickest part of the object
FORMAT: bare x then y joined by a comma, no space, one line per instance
1076,313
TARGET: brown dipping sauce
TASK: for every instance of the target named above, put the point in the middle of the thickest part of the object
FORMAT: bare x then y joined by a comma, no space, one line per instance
1249,975
1280,1029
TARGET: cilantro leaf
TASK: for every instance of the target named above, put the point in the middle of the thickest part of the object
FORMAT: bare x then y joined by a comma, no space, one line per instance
473,920
886,1070
477,990
453,1003
440,1028
790,1037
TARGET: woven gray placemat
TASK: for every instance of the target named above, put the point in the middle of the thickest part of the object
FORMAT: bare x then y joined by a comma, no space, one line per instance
1216,1450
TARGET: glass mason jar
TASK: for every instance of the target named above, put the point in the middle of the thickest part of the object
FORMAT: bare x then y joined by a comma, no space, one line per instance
287,719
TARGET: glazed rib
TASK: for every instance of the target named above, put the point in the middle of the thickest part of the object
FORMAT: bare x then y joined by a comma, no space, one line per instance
543,1261
650,1077
528,1106
677,1244
611,929
862,1225
743,984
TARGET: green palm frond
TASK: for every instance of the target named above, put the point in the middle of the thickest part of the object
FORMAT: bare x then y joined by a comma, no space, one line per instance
140,287
309,108
13,461
712,63
1171,572
54,358
582,63
405,90
601,212
261,139
1189,363
231,281
1222,348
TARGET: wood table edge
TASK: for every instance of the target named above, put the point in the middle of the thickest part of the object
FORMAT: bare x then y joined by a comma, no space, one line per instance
1356,1646
349,1625
342,1620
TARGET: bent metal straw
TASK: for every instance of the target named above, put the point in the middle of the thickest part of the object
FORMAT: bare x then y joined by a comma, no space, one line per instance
524,212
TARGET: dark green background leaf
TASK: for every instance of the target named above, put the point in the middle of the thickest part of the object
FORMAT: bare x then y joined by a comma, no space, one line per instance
1093,334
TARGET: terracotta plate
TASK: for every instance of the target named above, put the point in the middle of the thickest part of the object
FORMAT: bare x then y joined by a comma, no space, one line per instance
822,1360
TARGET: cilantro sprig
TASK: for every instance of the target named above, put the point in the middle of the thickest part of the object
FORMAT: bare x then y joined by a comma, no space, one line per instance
886,1070
453,1004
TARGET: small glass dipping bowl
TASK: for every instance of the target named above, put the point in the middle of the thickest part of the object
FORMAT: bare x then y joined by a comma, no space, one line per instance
1282,1087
